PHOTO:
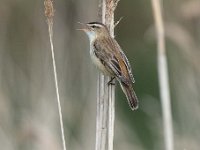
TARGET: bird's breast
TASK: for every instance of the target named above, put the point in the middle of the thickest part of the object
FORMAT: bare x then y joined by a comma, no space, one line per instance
98,63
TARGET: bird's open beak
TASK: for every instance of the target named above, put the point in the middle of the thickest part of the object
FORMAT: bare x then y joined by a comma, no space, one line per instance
85,27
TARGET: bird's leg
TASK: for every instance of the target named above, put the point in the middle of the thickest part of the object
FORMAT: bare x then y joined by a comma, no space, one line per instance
111,81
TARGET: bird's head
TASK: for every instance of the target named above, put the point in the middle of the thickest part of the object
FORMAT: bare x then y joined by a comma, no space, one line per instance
95,30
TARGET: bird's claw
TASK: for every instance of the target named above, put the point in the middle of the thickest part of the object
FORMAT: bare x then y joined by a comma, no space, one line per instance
111,81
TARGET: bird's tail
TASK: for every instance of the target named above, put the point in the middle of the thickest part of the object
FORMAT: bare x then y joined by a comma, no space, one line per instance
130,95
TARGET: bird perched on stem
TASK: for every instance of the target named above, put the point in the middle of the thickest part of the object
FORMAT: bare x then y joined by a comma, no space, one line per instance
109,58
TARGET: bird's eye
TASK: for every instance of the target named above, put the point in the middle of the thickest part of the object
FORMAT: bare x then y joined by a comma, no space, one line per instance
93,26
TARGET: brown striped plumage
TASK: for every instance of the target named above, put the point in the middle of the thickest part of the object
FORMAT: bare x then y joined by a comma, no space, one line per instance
110,59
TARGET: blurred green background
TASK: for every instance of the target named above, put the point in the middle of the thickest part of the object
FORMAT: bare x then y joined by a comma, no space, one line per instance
28,108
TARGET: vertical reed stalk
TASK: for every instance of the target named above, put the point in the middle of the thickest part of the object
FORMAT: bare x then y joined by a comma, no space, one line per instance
106,93
49,13
163,76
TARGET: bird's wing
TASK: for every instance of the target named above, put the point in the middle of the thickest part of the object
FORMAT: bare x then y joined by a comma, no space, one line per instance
126,62
113,58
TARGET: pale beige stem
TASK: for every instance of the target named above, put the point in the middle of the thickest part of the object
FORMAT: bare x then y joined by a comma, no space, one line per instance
105,93
49,12
163,76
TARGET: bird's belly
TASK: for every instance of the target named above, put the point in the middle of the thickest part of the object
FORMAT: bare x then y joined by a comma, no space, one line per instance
99,64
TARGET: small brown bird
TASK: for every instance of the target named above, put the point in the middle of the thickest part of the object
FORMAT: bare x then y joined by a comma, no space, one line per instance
108,56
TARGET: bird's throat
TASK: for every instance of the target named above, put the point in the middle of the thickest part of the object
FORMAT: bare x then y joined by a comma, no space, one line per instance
91,35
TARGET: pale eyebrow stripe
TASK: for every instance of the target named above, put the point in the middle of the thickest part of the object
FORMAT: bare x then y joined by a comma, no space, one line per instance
98,25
